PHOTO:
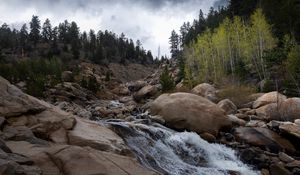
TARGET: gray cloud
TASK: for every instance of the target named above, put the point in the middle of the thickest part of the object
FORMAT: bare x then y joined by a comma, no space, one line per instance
151,21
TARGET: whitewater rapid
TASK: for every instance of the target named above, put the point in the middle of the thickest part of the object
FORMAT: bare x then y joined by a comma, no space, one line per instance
178,153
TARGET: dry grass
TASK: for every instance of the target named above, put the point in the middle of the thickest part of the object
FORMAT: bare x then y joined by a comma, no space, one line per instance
238,94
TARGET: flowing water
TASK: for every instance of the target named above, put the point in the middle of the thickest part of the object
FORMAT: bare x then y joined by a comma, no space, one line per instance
178,153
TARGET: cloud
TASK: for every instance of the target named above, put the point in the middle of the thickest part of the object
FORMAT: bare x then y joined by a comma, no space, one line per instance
151,21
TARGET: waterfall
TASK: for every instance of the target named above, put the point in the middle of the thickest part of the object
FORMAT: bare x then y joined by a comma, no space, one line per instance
177,153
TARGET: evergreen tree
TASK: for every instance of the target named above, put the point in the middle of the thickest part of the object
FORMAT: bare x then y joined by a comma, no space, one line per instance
47,31
174,42
75,42
167,81
35,27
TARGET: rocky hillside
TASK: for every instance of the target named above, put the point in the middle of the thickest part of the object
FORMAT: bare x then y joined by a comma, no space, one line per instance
38,138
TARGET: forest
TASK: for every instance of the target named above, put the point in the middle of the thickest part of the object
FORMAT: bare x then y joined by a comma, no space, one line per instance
46,41
247,42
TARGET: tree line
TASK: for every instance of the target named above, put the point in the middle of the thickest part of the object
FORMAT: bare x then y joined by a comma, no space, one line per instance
100,47
247,40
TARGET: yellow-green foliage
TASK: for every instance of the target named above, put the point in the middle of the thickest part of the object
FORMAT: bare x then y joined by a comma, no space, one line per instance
219,52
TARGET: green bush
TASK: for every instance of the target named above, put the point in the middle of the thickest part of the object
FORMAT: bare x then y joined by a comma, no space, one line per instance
37,73
167,81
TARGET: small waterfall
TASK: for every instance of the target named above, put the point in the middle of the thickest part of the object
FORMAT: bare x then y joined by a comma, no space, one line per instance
178,153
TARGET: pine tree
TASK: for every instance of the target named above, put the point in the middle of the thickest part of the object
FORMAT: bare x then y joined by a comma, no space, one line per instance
167,81
35,27
47,31
174,42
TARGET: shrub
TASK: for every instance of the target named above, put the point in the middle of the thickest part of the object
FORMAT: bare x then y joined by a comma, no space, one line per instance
167,81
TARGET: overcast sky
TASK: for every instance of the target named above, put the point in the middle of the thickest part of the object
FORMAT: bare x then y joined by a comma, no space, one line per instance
151,21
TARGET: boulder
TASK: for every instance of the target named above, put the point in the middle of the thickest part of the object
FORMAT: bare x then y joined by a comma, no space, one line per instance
137,85
205,90
75,160
268,112
145,92
264,138
191,112
271,97
279,169
92,134
290,109
228,106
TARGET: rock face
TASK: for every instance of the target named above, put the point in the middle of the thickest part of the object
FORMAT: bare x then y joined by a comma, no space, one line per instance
65,159
265,138
205,90
38,138
189,111
228,106
271,97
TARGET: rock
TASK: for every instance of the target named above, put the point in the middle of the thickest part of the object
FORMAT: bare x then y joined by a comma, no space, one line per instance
13,102
264,138
285,158
271,97
157,119
208,137
256,123
135,86
71,160
278,169
293,164
205,90
121,90
236,121
145,92
243,116
67,76
3,147
228,106
290,109
264,172
191,112
290,128
88,133
268,112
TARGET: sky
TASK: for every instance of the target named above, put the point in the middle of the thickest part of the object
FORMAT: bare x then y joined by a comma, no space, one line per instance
150,21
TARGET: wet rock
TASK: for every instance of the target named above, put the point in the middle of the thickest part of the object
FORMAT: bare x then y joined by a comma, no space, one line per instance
271,97
205,90
228,106
208,137
189,111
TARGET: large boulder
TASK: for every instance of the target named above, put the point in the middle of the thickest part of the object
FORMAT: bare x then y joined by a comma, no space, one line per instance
66,159
191,112
290,109
228,106
205,90
264,138
271,97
